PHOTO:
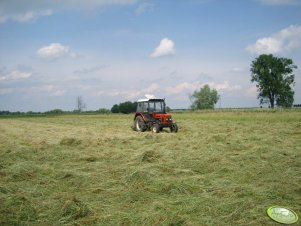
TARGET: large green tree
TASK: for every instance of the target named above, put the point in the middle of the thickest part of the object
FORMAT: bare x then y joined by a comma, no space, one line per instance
205,98
274,77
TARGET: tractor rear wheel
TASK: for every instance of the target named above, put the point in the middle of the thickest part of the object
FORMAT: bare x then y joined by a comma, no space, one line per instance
174,128
156,128
139,124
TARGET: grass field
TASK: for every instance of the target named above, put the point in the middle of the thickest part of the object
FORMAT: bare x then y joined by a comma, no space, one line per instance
221,168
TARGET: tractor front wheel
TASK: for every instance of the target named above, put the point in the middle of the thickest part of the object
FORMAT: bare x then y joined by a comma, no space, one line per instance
139,124
155,128
174,128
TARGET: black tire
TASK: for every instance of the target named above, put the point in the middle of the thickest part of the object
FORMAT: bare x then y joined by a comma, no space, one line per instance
174,128
155,128
139,124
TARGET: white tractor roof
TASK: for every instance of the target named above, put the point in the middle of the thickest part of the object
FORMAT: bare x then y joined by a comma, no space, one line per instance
149,97
143,100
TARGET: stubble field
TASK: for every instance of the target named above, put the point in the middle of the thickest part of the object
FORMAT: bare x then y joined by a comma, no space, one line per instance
221,168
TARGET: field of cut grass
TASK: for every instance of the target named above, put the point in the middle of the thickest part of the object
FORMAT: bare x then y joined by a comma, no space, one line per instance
221,168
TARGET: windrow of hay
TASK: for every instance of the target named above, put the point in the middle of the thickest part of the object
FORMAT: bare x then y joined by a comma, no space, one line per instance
70,141
74,209
150,156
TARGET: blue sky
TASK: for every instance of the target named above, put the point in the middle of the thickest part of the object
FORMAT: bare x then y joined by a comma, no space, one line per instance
114,51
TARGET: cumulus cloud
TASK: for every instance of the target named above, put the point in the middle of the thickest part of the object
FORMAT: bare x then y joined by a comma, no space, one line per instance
165,48
225,86
50,90
154,87
26,16
131,94
189,87
54,51
15,75
128,94
54,90
24,11
286,39
181,87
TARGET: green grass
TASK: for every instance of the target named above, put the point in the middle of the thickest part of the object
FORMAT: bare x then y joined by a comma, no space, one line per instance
221,168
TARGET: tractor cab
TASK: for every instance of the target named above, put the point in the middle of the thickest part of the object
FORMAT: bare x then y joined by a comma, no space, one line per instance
151,106
151,115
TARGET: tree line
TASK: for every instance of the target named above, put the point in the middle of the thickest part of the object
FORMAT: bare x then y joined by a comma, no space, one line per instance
125,108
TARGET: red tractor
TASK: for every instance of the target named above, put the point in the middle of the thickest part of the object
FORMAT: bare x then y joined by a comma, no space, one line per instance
151,115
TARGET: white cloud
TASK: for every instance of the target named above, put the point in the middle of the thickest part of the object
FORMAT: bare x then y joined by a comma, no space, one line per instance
224,86
54,51
131,94
165,48
144,7
126,94
15,75
154,87
58,93
265,45
285,40
279,2
26,16
24,11
51,90
182,87
187,87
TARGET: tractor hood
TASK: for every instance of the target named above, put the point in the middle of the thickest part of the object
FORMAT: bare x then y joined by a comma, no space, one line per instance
157,115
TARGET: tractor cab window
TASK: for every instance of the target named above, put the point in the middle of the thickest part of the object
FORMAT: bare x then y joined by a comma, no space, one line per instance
142,107
156,106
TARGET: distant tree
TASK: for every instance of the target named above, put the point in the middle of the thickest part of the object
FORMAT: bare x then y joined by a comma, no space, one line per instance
274,77
205,98
55,111
115,108
127,107
80,104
